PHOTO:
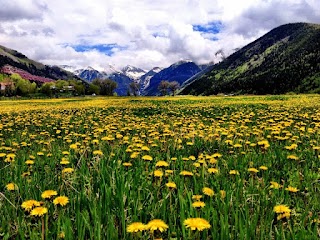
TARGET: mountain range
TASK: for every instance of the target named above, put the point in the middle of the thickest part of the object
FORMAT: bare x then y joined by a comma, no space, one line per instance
147,80
285,59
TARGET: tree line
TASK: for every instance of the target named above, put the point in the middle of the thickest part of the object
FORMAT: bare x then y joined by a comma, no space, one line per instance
15,85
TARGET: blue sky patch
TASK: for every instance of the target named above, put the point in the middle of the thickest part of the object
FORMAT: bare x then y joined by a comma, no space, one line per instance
211,27
107,49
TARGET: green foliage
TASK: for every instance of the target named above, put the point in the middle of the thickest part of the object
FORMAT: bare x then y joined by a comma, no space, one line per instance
107,86
163,87
47,88
94,89
25,87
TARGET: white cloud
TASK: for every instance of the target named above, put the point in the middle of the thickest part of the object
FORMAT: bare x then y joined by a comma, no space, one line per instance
150,33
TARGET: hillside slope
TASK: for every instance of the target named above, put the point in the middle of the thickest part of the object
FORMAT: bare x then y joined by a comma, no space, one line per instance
20,61
283,60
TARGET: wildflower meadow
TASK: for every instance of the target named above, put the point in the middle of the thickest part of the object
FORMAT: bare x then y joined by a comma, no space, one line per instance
160,168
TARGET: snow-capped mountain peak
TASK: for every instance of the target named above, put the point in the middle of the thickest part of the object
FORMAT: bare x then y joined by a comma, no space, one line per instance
133,72
89,68
111,69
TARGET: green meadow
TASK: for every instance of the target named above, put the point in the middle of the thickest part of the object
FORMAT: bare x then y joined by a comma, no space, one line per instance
161,168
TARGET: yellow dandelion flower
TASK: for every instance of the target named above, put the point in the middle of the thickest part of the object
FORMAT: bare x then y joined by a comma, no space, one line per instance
11,187
186,173
25,174
147,158
217,155
49,194
196,164
157,224
127,164
11,156
281,209
158,173
292,157
213,170
264,168
145,148
196,197
136,227
29,162
29,204
40,153
67,170
222,194
199,224
64,161
73,146
292,189
275,185
134,155
168,172
234,172
283,215
264,143
38,211
253,170
316,221
213,161
237,145
62,235
97,152
61,200
95,141
198,204
162,164
291,147
171,185
208,191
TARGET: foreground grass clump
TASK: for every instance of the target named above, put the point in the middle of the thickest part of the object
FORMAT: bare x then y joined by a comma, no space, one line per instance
150,168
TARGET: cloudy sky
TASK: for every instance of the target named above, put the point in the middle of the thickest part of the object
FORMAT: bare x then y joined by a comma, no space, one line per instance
142,33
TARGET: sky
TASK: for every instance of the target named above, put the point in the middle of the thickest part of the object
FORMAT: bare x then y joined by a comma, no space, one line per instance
142,33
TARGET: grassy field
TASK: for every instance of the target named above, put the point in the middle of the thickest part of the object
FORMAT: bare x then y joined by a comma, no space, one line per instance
152,168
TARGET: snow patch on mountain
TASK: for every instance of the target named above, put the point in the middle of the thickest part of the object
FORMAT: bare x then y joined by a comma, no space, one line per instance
133,72
68,68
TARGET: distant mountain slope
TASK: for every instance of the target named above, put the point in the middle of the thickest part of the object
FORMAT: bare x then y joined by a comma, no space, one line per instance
20,61
285,59
123,82
180,72
144,80
205,69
